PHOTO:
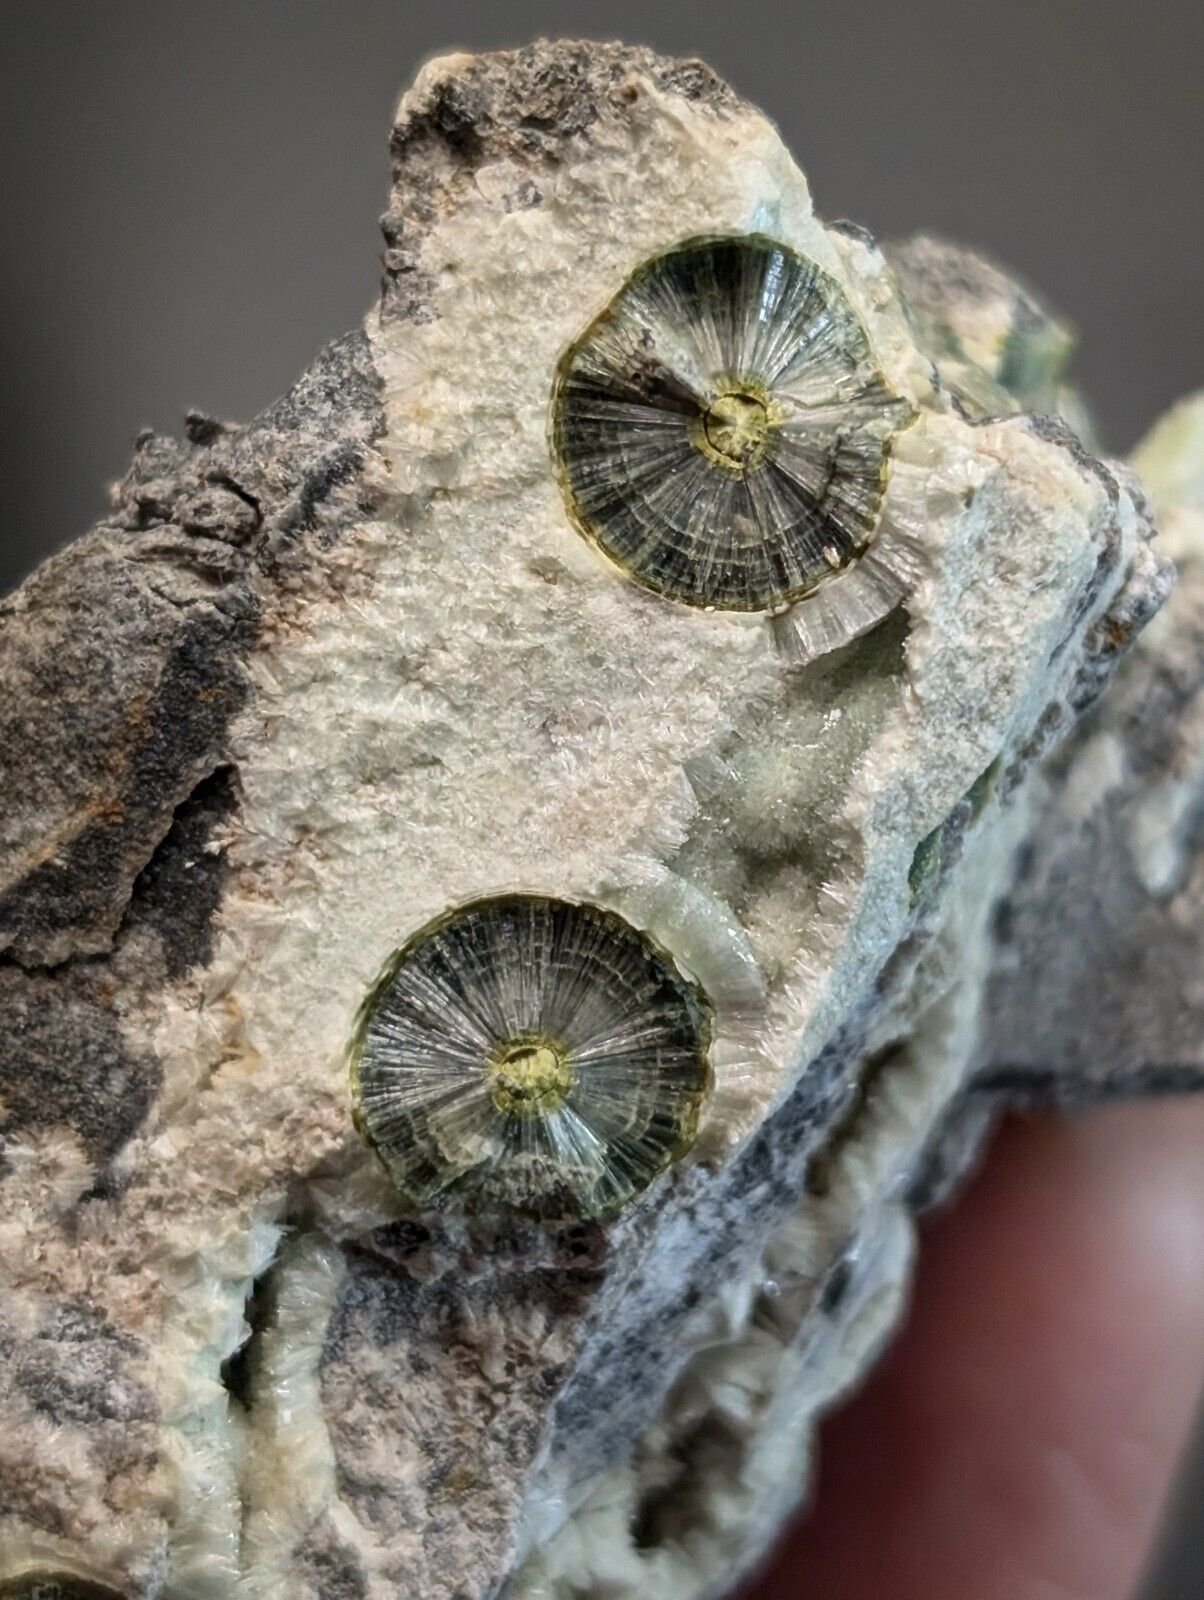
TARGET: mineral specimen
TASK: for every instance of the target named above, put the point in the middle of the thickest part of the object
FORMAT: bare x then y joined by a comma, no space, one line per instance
819,819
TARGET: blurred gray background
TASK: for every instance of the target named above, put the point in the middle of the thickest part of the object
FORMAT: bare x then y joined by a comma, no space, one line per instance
190,196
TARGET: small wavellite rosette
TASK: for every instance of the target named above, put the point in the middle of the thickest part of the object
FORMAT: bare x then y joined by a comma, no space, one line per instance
530,1054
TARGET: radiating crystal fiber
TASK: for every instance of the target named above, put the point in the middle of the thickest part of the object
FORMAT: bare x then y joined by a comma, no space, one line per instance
721,430
531,1053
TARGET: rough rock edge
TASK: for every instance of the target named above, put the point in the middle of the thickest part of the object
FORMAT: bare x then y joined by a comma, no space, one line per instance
535,103
125,653
129,651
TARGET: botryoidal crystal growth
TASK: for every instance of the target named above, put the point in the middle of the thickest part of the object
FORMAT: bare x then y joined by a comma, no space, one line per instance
532,1054
721,428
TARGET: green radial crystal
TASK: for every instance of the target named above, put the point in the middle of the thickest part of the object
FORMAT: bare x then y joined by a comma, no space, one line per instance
530,1054
721,430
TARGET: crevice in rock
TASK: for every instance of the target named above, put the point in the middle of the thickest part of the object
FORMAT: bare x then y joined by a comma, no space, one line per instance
157,893
666,1514
179,889
223,480
823,1164
238,1371
64,1057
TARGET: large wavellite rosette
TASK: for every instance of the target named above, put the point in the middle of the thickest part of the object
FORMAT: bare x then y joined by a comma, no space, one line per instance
722,430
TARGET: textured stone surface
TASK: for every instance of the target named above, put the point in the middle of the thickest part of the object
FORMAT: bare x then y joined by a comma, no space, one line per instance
317,679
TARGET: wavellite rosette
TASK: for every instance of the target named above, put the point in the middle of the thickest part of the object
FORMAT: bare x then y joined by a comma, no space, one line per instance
531,1054
721,428
870,792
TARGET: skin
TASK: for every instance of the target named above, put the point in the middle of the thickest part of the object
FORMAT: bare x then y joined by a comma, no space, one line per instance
1020,1440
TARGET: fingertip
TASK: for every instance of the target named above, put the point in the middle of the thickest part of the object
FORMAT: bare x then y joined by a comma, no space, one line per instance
1020,1439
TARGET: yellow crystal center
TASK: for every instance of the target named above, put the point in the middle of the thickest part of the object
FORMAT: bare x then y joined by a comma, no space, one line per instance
735,427
530,1077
